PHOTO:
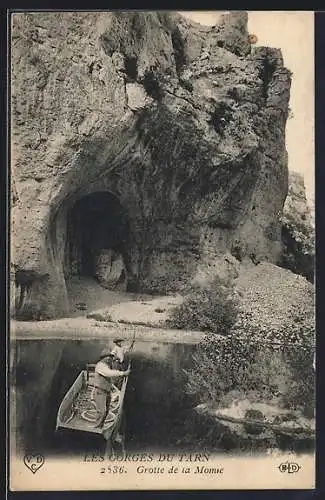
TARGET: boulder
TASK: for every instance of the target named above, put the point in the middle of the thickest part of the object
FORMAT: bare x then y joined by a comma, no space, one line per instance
109,269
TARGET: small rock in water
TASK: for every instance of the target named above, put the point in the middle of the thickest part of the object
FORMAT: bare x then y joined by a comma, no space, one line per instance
254,415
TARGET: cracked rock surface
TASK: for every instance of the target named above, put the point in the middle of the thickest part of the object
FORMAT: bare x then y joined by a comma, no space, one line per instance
182,124
298,230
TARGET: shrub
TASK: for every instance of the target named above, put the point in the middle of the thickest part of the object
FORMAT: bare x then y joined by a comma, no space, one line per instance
233,364
258,365
211,309
299,355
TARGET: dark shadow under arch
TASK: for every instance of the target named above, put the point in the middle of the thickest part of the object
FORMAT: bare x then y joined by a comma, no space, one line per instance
95,222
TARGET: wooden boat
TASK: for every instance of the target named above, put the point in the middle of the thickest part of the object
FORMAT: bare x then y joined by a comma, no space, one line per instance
77,410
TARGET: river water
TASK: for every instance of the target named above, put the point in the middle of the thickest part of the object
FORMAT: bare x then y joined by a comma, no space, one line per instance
157,408
159,413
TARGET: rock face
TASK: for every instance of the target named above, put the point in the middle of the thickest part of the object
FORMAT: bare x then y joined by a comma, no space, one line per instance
145,134
298,231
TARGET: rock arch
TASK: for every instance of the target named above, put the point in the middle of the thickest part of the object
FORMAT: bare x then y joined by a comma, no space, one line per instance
150,134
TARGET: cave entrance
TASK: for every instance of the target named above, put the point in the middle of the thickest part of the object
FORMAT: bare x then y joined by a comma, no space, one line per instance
97,240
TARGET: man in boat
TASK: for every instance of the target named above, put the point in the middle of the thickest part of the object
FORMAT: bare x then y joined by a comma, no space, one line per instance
121,358
109,368
120,353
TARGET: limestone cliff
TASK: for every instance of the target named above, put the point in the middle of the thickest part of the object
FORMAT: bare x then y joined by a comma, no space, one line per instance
146,134
298,230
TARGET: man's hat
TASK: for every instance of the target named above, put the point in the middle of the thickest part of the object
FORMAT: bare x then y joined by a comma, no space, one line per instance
118,341
107,351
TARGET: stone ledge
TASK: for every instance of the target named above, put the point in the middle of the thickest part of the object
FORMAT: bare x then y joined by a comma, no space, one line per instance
87,329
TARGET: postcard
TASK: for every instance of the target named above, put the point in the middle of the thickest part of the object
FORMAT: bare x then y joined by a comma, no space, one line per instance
162,311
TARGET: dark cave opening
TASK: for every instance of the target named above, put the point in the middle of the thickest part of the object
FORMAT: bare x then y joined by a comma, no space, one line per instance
131,67
97,244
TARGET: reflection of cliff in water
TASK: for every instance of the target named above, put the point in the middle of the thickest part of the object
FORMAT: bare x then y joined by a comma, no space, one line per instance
156,405
156,402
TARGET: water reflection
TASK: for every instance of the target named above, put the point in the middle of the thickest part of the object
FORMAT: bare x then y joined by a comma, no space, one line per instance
158,413
155,407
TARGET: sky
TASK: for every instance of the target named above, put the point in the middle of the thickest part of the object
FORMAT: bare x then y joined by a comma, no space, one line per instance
293,33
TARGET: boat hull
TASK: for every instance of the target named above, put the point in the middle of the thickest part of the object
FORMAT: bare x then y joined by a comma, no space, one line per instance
77,410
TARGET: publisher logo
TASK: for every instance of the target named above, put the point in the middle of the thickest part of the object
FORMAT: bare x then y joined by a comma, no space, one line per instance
34,461
289,467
